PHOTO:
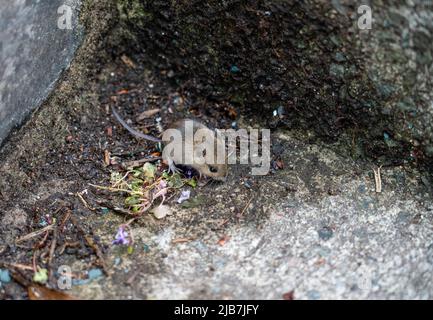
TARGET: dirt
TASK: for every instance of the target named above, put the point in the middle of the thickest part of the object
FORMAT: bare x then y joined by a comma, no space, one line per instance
61,152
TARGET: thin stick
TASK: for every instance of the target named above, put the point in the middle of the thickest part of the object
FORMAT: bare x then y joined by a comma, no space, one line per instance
378,179
41,243
53,247
137,163
113,189
91,242
35,269
246,207
65,219
115,208
16,266
80,196
34,234
120,180
182,240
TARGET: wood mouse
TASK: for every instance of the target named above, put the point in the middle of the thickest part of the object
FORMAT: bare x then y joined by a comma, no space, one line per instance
215,171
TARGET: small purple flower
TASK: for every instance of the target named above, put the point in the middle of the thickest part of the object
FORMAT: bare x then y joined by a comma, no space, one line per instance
121,236
189,173
161,190
184,196
162,184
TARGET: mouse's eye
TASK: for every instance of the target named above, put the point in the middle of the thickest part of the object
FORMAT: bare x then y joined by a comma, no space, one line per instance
213,169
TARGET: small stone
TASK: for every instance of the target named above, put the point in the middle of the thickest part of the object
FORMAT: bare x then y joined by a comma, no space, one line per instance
146,248
95,273
247,184
161,211
313,295
234,69
339,57
336,70
430,254
5,276
325,233
385,90
429,151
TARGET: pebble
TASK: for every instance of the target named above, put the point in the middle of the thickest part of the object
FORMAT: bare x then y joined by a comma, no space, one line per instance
313,295
234,69
146,248
336,70
325,233
339,57
95,273
5,276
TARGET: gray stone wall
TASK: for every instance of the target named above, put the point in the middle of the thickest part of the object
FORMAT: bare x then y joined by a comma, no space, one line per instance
34,51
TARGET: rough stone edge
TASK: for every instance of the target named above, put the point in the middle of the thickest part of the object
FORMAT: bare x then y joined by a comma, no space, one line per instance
46,127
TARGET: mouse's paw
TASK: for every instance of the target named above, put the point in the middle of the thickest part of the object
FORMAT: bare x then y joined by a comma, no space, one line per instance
173,169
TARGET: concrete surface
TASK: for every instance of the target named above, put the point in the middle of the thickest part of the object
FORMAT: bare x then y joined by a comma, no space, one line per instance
33,54
317,228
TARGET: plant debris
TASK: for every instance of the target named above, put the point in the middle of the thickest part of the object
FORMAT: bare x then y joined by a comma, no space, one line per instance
185,195
161,211
121,236
36,292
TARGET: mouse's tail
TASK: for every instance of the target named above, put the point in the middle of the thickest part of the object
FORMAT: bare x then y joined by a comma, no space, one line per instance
131,130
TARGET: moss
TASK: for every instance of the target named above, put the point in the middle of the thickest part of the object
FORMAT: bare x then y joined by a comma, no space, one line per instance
133,11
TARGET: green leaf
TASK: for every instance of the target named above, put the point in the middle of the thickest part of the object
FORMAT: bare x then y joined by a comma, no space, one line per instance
130,201
175,181
41,276
192,182
149,170
194,202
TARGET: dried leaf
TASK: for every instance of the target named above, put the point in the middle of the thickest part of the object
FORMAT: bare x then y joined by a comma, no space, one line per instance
107,157
223,240
149,170
161,212
37,292
126,60
148,114
289,295
109,131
